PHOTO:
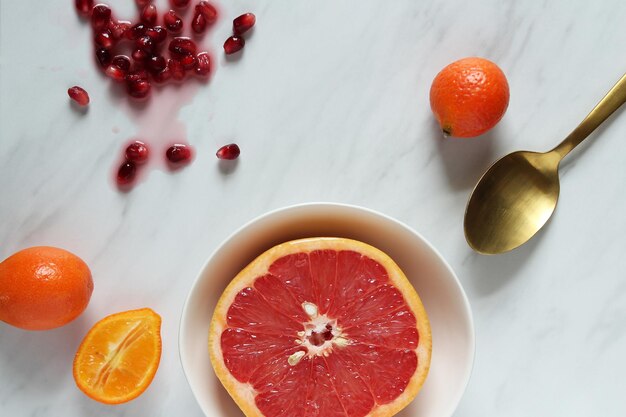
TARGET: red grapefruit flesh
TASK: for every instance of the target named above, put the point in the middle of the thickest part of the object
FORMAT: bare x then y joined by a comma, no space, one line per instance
326,327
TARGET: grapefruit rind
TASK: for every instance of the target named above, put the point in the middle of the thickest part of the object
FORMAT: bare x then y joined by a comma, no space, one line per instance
153,321
243,394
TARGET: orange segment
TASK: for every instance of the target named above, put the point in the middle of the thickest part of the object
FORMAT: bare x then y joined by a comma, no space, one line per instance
118,358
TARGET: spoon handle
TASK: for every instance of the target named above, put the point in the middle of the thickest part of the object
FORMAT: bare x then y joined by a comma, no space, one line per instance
611,102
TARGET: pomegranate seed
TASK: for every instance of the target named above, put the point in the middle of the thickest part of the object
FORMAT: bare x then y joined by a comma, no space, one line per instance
136,31
140,74
140,55
115,73
122,62
79,95
198,24
182,47
163,76
104,39
126,173
233,44
188,62
145,43
157,33
103,56
172,22
176,69
137,152
156,64
83,7
100,16
119,29
119,68
137,84
180,3
203,64
207,10
243,23
142,3
229,152
178,154
149,14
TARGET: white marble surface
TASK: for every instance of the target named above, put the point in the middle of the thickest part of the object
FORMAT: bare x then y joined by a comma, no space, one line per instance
328,103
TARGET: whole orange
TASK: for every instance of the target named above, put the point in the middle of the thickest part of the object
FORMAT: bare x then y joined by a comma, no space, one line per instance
43,287
469,97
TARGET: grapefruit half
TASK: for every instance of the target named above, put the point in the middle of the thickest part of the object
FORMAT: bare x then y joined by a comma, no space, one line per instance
326,327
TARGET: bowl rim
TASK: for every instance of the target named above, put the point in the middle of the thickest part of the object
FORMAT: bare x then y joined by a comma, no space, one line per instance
466,374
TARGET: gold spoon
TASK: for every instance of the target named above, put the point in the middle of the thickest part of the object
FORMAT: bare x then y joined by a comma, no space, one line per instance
518,193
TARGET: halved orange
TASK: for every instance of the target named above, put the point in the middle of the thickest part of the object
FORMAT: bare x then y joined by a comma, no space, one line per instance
119,356
323,327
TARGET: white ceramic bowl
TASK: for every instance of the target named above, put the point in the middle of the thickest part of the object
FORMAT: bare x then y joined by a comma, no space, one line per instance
438,287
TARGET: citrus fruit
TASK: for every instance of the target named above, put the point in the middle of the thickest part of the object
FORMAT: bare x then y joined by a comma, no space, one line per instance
43,287
118,358
321,327
469,97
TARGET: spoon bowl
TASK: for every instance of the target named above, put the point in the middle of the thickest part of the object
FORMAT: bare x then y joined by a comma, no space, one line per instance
519,192
525,187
